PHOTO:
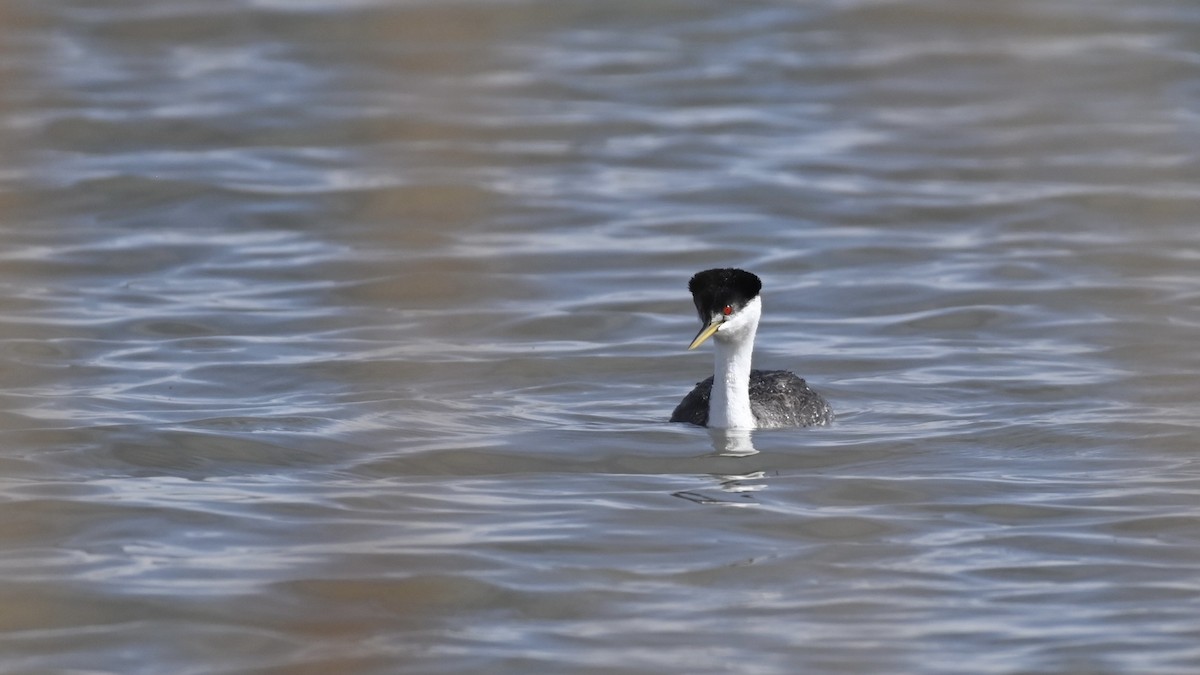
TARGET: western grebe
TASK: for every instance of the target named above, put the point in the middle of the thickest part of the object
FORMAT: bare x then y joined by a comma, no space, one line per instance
736,397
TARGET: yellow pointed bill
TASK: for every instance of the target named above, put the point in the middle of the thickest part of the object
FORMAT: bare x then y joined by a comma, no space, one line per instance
704,334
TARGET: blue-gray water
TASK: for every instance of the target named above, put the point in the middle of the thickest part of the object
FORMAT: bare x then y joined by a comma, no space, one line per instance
339,337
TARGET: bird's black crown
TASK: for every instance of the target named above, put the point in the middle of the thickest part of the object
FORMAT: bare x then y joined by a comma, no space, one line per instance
714,289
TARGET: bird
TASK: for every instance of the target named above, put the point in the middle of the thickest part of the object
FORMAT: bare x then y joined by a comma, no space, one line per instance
737,397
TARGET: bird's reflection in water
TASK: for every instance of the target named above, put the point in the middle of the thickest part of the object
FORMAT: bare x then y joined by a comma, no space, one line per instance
731,489
732,442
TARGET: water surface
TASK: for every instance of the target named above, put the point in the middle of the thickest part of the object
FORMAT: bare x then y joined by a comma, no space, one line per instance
340,337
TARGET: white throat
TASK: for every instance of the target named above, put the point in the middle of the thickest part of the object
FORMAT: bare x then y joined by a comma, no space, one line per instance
729,404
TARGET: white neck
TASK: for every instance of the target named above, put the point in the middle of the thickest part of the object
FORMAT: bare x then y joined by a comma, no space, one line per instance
729,405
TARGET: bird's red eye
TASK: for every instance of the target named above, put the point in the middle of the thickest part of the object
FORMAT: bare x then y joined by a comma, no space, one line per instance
728,310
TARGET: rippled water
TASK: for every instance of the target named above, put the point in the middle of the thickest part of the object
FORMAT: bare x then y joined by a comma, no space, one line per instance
340,337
